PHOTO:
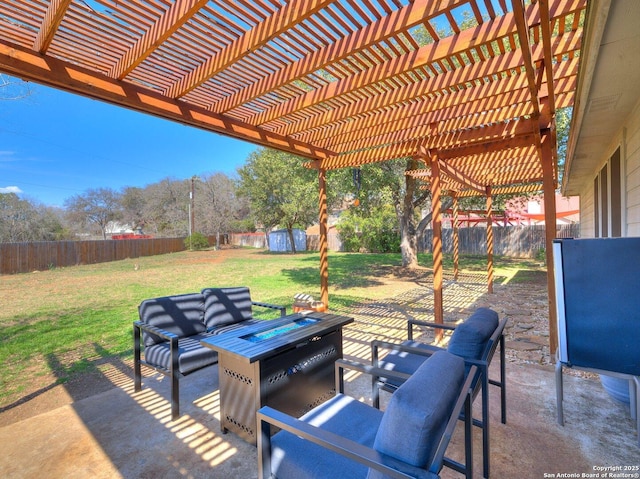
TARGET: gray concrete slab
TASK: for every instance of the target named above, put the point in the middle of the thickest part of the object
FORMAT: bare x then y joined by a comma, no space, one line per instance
119,433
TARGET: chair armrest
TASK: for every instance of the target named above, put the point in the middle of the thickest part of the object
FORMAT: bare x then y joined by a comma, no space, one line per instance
268,416
416,322
152,329
283,309
375,372
425,350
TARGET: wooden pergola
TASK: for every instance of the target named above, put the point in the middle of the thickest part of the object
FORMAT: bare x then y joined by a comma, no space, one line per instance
469,86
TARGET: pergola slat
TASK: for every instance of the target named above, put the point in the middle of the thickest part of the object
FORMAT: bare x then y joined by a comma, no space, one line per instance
294,12
55,13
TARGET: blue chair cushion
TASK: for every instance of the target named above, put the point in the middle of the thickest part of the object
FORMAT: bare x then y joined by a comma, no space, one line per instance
191,356
181,315
295,458
403,362
417,415
469,340
223,306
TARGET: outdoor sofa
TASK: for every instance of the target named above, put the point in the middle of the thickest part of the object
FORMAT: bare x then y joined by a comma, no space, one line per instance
170,329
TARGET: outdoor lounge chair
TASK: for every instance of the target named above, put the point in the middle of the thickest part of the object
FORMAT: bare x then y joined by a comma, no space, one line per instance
344,437
475,340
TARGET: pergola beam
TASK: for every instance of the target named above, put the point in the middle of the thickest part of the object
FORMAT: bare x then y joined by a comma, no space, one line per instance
507,135
72,78
522,25
459,176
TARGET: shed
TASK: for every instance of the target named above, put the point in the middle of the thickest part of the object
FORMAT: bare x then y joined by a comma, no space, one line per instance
279,240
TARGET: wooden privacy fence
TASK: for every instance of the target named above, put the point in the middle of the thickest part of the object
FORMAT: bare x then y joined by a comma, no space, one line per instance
515,241
37,256
253,240
333,240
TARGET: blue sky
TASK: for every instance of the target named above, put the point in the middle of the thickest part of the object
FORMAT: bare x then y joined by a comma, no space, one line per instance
54,145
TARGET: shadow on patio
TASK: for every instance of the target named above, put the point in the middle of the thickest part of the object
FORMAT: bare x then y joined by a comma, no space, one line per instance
119,433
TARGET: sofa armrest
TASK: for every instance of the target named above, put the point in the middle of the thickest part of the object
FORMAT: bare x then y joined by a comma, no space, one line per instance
371,458
283,309
152,329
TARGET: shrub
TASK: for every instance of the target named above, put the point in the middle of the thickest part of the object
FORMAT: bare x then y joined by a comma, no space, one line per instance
375,231
196,241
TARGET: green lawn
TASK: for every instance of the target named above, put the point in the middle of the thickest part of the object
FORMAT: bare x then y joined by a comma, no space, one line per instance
59,322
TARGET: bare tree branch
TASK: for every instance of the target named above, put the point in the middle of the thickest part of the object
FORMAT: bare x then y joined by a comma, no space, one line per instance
13,89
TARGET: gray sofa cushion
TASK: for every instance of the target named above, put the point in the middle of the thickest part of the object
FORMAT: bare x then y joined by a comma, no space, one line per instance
234,326
181,315
225,306
192,355
469,339
418,411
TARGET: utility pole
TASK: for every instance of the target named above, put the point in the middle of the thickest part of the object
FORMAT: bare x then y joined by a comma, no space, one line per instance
192,224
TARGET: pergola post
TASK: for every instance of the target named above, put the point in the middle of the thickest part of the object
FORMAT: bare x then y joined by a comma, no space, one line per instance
436,221
324,242
456,239
549,192
489,241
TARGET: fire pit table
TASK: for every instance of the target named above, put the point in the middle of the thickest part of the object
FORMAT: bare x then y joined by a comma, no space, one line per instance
286,363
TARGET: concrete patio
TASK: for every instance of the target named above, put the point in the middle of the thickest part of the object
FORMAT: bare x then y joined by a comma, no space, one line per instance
119,433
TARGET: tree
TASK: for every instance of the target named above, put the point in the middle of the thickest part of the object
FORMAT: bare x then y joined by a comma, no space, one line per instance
387,184
217,205
166,209
280,190
96,206
375,233
133,204
563,125
13,88
23,220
